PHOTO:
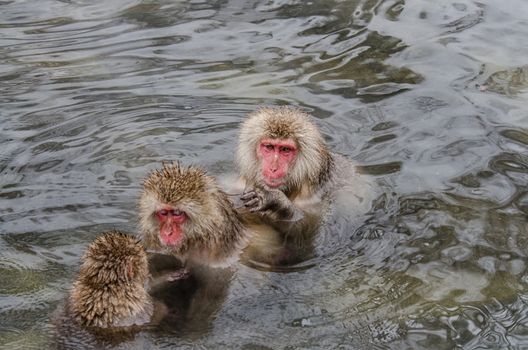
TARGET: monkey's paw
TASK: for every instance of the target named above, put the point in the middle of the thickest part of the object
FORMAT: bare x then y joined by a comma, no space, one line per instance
178,275
254,199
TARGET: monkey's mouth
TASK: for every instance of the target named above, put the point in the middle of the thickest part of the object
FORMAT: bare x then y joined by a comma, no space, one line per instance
172,241
274,183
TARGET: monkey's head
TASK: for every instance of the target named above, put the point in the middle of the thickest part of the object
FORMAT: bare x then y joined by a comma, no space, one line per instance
282,148
109,291
114,258
181,210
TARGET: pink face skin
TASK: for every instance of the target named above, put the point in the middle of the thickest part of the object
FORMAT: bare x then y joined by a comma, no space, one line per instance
277,156
170,220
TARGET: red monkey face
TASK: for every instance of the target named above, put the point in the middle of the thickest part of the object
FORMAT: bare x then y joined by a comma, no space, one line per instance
277,156
170,221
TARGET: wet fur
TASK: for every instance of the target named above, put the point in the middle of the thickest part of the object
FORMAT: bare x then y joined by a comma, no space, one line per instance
284,224
109,291
314,163
213,233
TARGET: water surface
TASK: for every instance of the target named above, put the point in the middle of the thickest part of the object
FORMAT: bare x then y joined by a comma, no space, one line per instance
428,98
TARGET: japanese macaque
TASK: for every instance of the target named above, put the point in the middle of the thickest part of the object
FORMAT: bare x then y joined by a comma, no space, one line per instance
110,290
284,163
108,303
289,177
183,212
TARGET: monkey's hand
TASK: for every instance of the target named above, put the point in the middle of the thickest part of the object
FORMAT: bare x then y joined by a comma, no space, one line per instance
166,277
271,202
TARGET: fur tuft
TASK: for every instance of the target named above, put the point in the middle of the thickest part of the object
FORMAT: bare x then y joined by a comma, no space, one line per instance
109,291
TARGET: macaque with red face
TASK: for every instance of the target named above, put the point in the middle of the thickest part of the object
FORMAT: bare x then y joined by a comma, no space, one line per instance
185,215
285,165
183,212
289,176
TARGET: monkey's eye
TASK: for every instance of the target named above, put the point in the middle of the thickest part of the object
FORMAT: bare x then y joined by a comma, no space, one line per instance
171,214
269,147
178,215
285,149
177,212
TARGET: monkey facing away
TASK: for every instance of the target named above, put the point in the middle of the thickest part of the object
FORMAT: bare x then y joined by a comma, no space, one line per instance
108,303
110,290
290,178
183,212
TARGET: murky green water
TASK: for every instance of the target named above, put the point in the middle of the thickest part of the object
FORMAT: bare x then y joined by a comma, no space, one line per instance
430,98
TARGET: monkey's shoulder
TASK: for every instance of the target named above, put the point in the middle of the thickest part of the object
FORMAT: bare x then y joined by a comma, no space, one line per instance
348,188
344,177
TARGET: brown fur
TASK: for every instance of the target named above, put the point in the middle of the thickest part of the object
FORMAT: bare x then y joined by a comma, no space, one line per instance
174,184
109,291
212,234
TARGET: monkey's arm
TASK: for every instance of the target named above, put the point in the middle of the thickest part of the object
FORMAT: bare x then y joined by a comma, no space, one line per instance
272,203
160,280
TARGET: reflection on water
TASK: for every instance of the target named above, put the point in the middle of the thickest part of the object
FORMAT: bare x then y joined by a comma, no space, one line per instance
428,98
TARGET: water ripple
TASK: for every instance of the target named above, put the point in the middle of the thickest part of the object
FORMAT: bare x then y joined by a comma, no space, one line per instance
428,99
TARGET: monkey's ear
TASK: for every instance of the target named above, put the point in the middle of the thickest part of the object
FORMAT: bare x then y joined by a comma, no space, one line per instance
130,270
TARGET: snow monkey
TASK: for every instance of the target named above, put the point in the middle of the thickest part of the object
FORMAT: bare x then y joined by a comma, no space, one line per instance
183,212
110,289
109,302
289,176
